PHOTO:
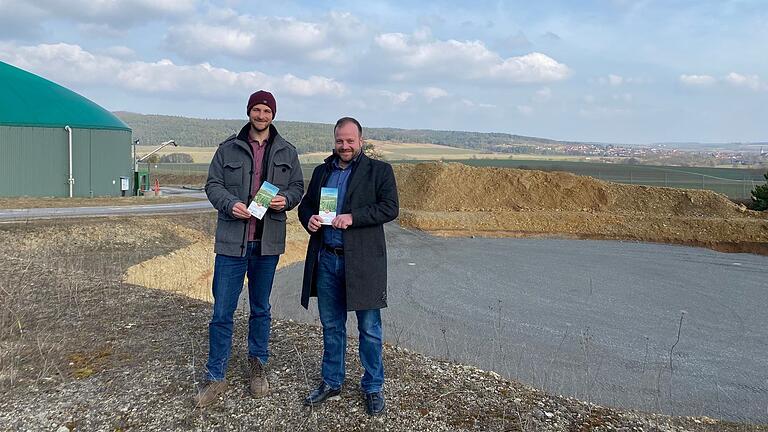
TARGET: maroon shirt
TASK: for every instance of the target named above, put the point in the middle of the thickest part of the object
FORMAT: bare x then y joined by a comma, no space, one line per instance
258,149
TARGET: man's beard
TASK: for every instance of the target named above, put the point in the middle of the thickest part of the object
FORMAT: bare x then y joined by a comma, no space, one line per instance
258,129
351,154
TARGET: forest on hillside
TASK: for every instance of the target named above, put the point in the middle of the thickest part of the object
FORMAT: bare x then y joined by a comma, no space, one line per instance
313,137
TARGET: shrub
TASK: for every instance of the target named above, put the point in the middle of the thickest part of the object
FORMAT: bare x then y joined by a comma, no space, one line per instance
760,195
372,152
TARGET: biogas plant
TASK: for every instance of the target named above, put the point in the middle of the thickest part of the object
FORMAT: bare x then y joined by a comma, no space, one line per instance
56,143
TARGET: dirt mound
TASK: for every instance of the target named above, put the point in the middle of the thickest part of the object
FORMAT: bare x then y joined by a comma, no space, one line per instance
458,200
189,270
456,187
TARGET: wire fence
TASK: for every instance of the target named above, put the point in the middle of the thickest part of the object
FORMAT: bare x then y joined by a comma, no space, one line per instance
735,183
736,189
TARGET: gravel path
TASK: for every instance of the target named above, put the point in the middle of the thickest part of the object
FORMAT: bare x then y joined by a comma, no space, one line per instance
591,319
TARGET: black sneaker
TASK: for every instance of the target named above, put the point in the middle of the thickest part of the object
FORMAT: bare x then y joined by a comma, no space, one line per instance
374,403
321,394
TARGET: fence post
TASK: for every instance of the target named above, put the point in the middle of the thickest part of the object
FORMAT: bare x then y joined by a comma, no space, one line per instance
743,186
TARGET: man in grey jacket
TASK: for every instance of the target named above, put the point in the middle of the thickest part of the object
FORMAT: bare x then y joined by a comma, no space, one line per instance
246,244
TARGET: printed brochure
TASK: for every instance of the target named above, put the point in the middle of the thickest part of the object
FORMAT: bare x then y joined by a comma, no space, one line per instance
328,197
260,202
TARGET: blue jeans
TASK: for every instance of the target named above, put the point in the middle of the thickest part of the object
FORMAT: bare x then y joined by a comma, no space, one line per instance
332,305
228,275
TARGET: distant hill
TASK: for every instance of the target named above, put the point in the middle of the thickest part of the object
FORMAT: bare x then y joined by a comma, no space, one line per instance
313,137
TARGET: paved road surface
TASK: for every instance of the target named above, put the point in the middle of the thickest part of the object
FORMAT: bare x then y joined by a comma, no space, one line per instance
48,213
592,319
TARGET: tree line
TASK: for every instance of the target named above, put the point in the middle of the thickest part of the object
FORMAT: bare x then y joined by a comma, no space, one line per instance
313,137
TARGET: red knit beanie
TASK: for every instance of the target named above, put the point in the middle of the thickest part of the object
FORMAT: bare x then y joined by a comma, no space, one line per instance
262,97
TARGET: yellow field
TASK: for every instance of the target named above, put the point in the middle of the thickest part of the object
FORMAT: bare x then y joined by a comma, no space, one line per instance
199,154
422,151
391,151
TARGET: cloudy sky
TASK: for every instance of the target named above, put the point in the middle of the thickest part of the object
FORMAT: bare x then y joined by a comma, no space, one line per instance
631,71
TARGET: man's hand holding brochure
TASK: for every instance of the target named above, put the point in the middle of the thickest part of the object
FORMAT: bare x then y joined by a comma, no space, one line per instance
262,200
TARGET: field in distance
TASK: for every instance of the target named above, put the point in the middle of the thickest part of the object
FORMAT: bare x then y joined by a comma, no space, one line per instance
199,154
733,182
392,151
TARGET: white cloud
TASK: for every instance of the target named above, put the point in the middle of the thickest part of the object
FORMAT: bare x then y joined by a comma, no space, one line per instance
432,93
396,98
463,60
752,82
697,80
466,103
615,80
223,32
70,64
530,68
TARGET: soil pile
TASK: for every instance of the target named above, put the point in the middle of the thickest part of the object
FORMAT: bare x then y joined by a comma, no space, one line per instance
189,269
455,199
458,187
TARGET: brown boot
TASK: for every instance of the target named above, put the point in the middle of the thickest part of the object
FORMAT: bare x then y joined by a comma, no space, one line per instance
259,385
209,392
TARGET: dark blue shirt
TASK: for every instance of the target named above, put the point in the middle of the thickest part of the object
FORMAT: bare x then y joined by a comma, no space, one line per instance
338,179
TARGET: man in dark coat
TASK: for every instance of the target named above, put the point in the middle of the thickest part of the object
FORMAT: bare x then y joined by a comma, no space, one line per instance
246,244
346,263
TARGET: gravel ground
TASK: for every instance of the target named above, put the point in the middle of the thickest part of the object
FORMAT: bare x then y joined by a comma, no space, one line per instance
82,350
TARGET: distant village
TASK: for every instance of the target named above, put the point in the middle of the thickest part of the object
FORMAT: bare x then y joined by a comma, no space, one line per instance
657,154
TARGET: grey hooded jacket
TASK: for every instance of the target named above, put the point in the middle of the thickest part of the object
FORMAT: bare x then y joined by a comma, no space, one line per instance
229,181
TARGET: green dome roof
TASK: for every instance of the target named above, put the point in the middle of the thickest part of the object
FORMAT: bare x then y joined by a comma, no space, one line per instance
29,100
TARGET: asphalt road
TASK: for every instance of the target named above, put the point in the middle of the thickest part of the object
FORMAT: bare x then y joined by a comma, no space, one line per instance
593,319
48,213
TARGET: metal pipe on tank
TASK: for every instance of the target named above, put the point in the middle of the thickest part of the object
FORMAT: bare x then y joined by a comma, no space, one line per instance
71,179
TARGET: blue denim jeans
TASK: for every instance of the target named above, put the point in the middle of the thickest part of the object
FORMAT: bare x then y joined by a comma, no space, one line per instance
228,275
332,305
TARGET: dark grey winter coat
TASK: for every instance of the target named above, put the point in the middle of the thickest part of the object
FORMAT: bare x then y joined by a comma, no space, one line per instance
371,198
229,181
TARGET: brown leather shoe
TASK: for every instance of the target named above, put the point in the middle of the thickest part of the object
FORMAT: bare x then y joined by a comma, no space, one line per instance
209,392
259,386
